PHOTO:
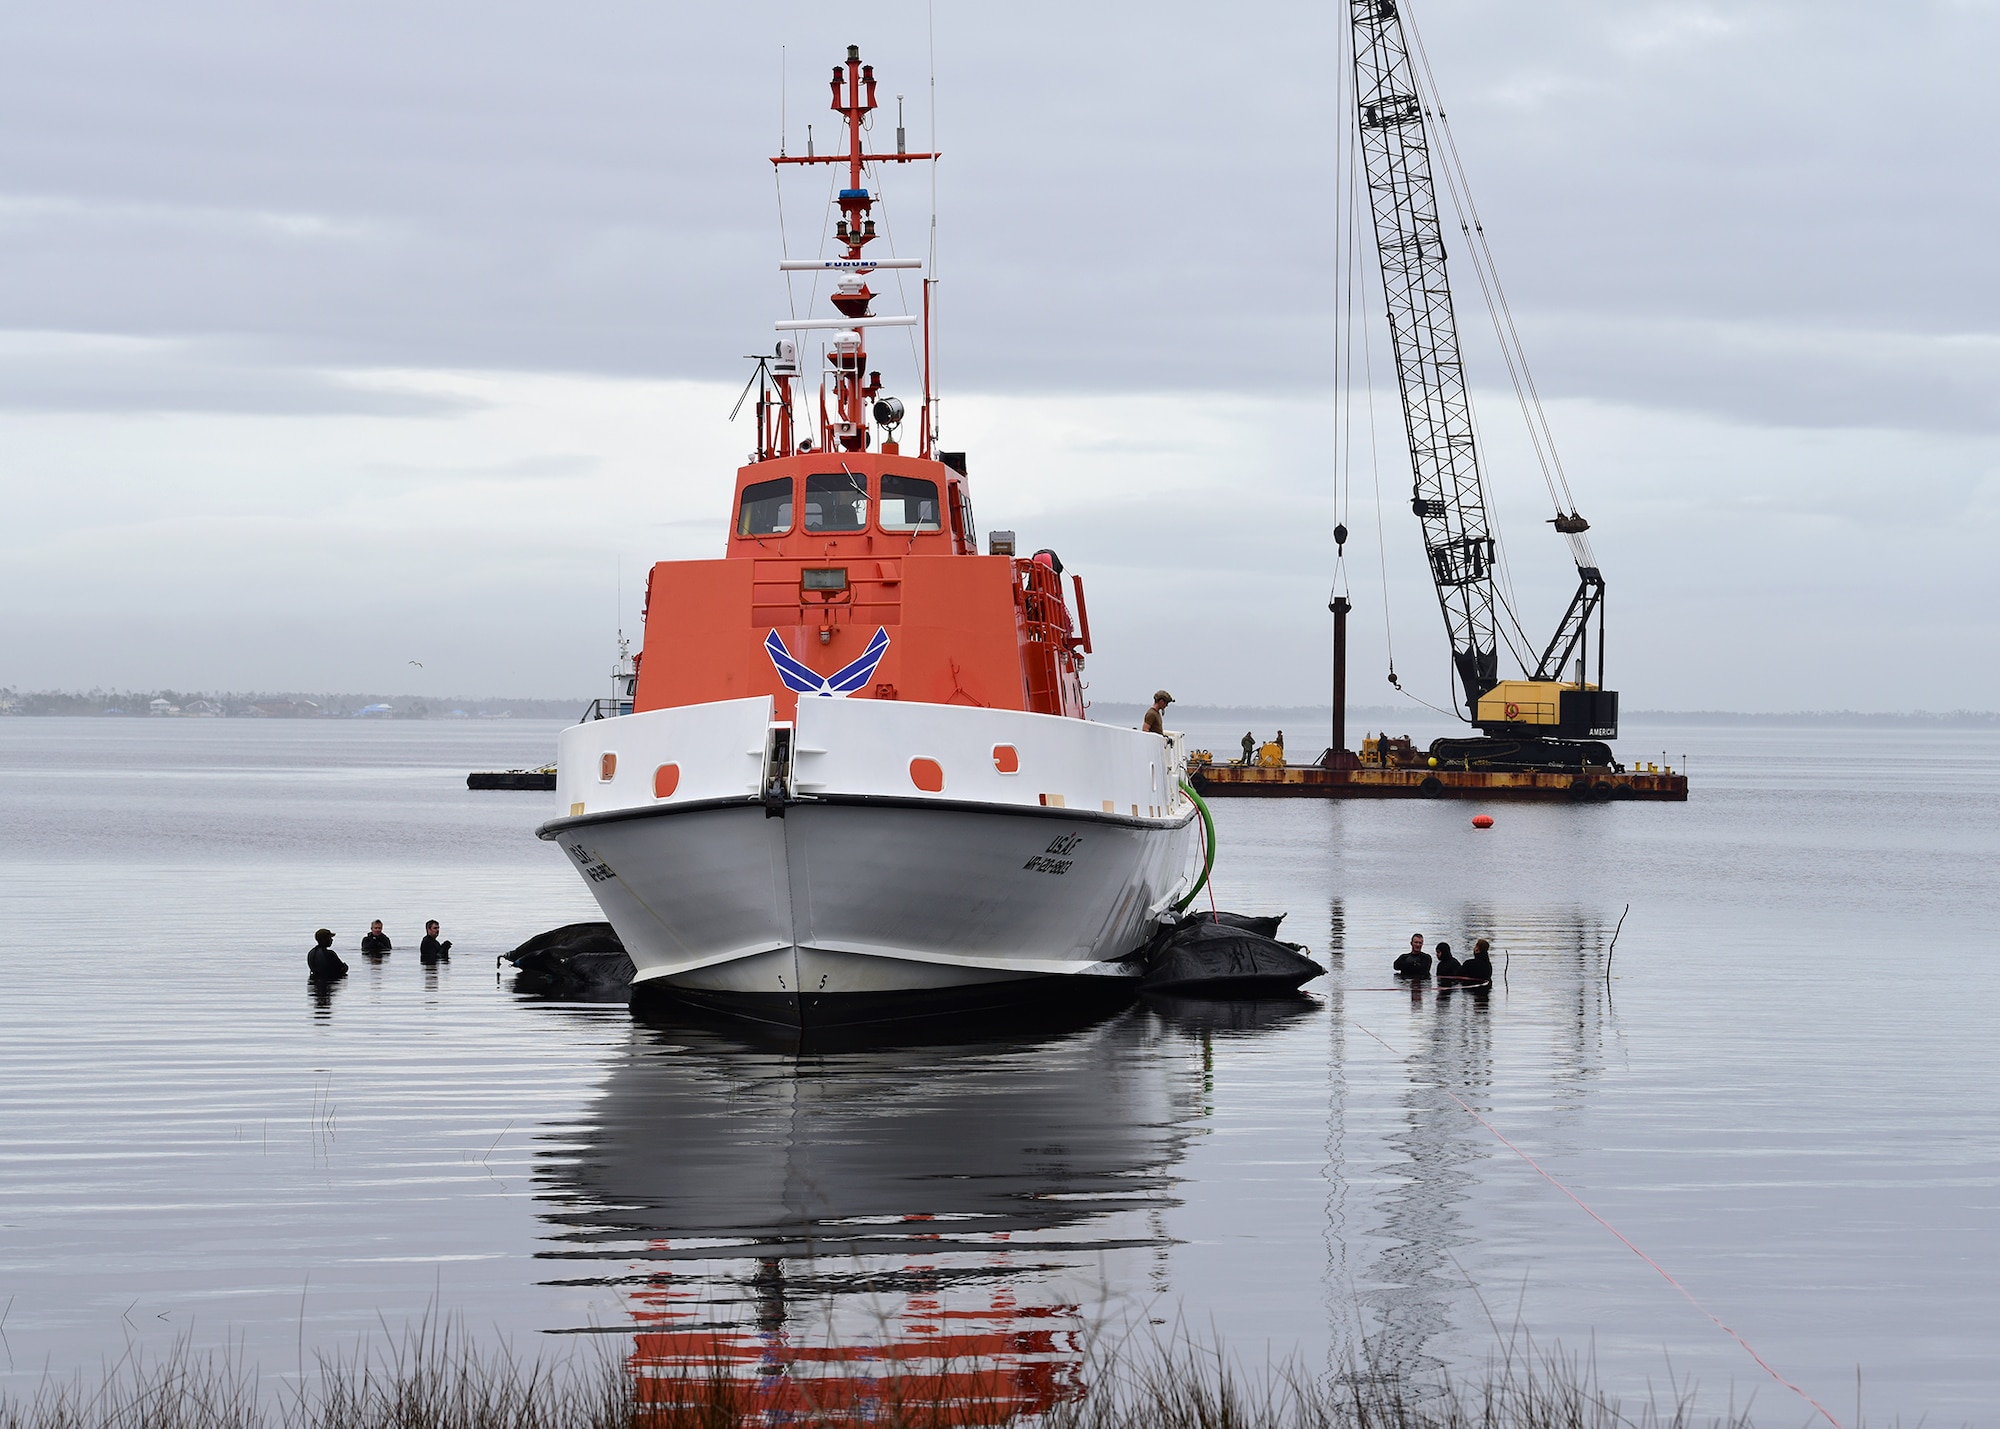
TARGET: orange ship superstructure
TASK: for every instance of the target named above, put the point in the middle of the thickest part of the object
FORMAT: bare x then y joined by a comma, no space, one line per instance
847,554
853,668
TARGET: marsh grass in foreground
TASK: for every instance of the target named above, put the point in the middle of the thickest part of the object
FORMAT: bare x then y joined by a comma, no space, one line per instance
440,1381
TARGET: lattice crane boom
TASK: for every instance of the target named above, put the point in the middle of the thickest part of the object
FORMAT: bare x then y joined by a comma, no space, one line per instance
1540,714
1446,494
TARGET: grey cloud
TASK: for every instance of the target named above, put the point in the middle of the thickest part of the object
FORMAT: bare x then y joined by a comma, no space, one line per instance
55,373
549,467
372,185
1780,374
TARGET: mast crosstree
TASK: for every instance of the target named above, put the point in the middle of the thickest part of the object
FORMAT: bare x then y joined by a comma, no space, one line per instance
855,384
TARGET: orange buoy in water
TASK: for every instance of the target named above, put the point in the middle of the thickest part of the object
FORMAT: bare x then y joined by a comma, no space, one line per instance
1482,821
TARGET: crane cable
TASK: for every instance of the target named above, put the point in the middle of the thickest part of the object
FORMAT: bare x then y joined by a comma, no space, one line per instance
1459,186
1343,369
1382,545
1357,266
1504,591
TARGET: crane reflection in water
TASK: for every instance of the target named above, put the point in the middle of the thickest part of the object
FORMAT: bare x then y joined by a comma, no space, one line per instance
838,1228
1402,1266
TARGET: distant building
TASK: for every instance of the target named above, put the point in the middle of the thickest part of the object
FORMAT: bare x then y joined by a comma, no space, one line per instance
281,709
163,707
206,709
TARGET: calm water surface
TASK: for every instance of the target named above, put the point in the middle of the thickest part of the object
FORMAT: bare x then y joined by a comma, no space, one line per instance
1787,1092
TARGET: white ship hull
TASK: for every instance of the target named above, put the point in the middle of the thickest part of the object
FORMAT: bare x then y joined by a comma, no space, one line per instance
828,887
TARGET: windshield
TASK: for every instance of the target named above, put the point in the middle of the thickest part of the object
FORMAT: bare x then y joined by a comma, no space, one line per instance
766,509
909,503
836,501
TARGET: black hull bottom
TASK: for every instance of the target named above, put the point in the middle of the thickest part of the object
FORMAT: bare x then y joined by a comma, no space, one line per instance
1057,997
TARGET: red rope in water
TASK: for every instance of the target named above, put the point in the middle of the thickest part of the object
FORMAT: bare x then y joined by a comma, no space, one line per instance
1624,1240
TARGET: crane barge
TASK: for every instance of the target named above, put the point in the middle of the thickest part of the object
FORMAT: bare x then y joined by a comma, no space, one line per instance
1541,736
1556,717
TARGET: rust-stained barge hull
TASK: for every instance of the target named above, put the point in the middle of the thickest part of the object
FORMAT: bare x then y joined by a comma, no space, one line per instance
1315,781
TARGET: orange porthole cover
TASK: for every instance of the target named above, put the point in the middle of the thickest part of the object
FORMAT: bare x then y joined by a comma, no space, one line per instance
666,779
607,765
927,775
1006,759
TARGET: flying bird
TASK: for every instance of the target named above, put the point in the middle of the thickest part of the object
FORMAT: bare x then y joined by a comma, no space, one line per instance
418,663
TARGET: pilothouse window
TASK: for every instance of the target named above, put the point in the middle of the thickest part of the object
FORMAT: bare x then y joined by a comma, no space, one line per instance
836,501
766,509
909,503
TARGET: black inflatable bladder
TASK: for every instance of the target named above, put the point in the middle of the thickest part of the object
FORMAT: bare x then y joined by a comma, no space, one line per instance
1265,925
575,959
1213,955
1225,956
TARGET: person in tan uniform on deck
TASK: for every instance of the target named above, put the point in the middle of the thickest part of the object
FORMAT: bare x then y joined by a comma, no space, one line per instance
1155,721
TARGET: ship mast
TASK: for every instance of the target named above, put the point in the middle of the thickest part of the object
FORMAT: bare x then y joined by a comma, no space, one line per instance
844,425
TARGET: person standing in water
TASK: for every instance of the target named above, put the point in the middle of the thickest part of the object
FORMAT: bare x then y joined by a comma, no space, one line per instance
1416,963
375,942
1478,967
431,950
323,964
1448,965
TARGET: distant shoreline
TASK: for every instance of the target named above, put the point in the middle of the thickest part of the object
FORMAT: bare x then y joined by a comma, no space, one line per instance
1397,718
285,704
1401,717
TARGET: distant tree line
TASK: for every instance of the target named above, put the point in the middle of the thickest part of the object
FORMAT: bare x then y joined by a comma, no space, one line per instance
1369,716
285,703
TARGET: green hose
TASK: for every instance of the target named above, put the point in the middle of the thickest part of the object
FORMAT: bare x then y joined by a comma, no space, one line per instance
1208,845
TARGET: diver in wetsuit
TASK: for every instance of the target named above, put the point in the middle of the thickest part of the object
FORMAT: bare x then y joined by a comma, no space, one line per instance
1416,963
323,964
1478,967
375,942
431,950
1448,966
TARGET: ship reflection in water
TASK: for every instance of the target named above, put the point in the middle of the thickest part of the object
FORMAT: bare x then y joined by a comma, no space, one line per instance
948,1223
840,1227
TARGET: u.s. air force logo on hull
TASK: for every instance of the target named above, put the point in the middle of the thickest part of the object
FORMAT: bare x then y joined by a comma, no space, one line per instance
842,682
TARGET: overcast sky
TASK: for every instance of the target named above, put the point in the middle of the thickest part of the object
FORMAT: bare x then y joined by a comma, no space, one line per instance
337,337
